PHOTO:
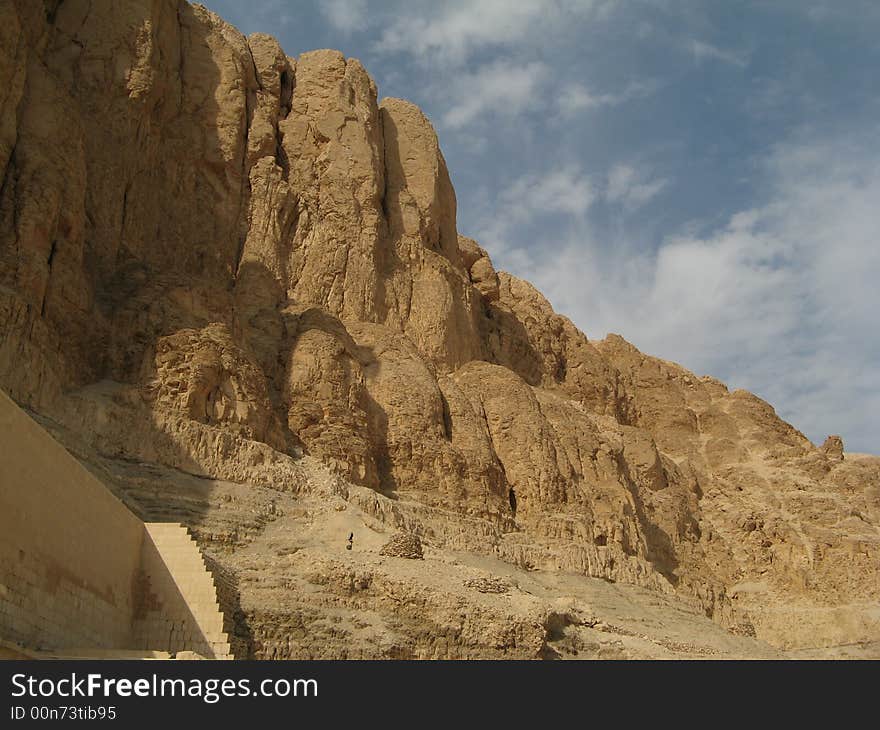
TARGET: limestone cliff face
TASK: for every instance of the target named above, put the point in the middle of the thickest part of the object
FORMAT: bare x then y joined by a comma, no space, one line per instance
221,259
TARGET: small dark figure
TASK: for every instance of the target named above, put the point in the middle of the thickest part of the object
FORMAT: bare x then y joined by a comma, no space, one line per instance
350,541
511,497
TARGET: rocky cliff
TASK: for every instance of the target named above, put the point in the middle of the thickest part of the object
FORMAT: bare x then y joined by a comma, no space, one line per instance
227,273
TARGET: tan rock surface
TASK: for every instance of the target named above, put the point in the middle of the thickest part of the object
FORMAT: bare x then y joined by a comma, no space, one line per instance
231,281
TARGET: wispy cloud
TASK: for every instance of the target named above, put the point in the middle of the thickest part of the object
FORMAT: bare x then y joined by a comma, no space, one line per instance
452,31
491,58
565,193
346,16
702,51
630,187
825,11
575,97
567,190
501,88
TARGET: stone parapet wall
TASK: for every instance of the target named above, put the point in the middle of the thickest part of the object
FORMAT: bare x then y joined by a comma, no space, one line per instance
69,550
79,571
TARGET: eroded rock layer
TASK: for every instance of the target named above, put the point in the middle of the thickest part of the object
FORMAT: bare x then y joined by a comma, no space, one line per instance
228,262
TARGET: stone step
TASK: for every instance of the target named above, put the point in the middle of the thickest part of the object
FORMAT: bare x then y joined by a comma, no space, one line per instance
186,572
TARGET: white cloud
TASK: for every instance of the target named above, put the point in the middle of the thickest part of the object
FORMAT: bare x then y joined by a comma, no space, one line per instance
827,11
345,15
501,88
631,188
567,191
451,31
576,97
702,51
493,57
782,300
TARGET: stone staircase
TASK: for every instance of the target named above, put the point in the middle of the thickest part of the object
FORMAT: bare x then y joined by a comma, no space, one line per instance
178,608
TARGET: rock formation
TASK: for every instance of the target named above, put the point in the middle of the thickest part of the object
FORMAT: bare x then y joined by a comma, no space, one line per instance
221,261
833,448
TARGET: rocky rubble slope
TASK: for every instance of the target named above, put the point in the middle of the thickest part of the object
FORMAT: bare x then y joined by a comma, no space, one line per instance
228,269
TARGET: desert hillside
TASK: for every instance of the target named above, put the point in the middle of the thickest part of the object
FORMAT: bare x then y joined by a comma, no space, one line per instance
231,283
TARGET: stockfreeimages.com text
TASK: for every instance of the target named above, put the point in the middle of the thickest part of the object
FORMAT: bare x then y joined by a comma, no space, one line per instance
210,690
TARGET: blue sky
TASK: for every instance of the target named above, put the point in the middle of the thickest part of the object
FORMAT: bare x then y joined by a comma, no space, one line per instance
700,177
